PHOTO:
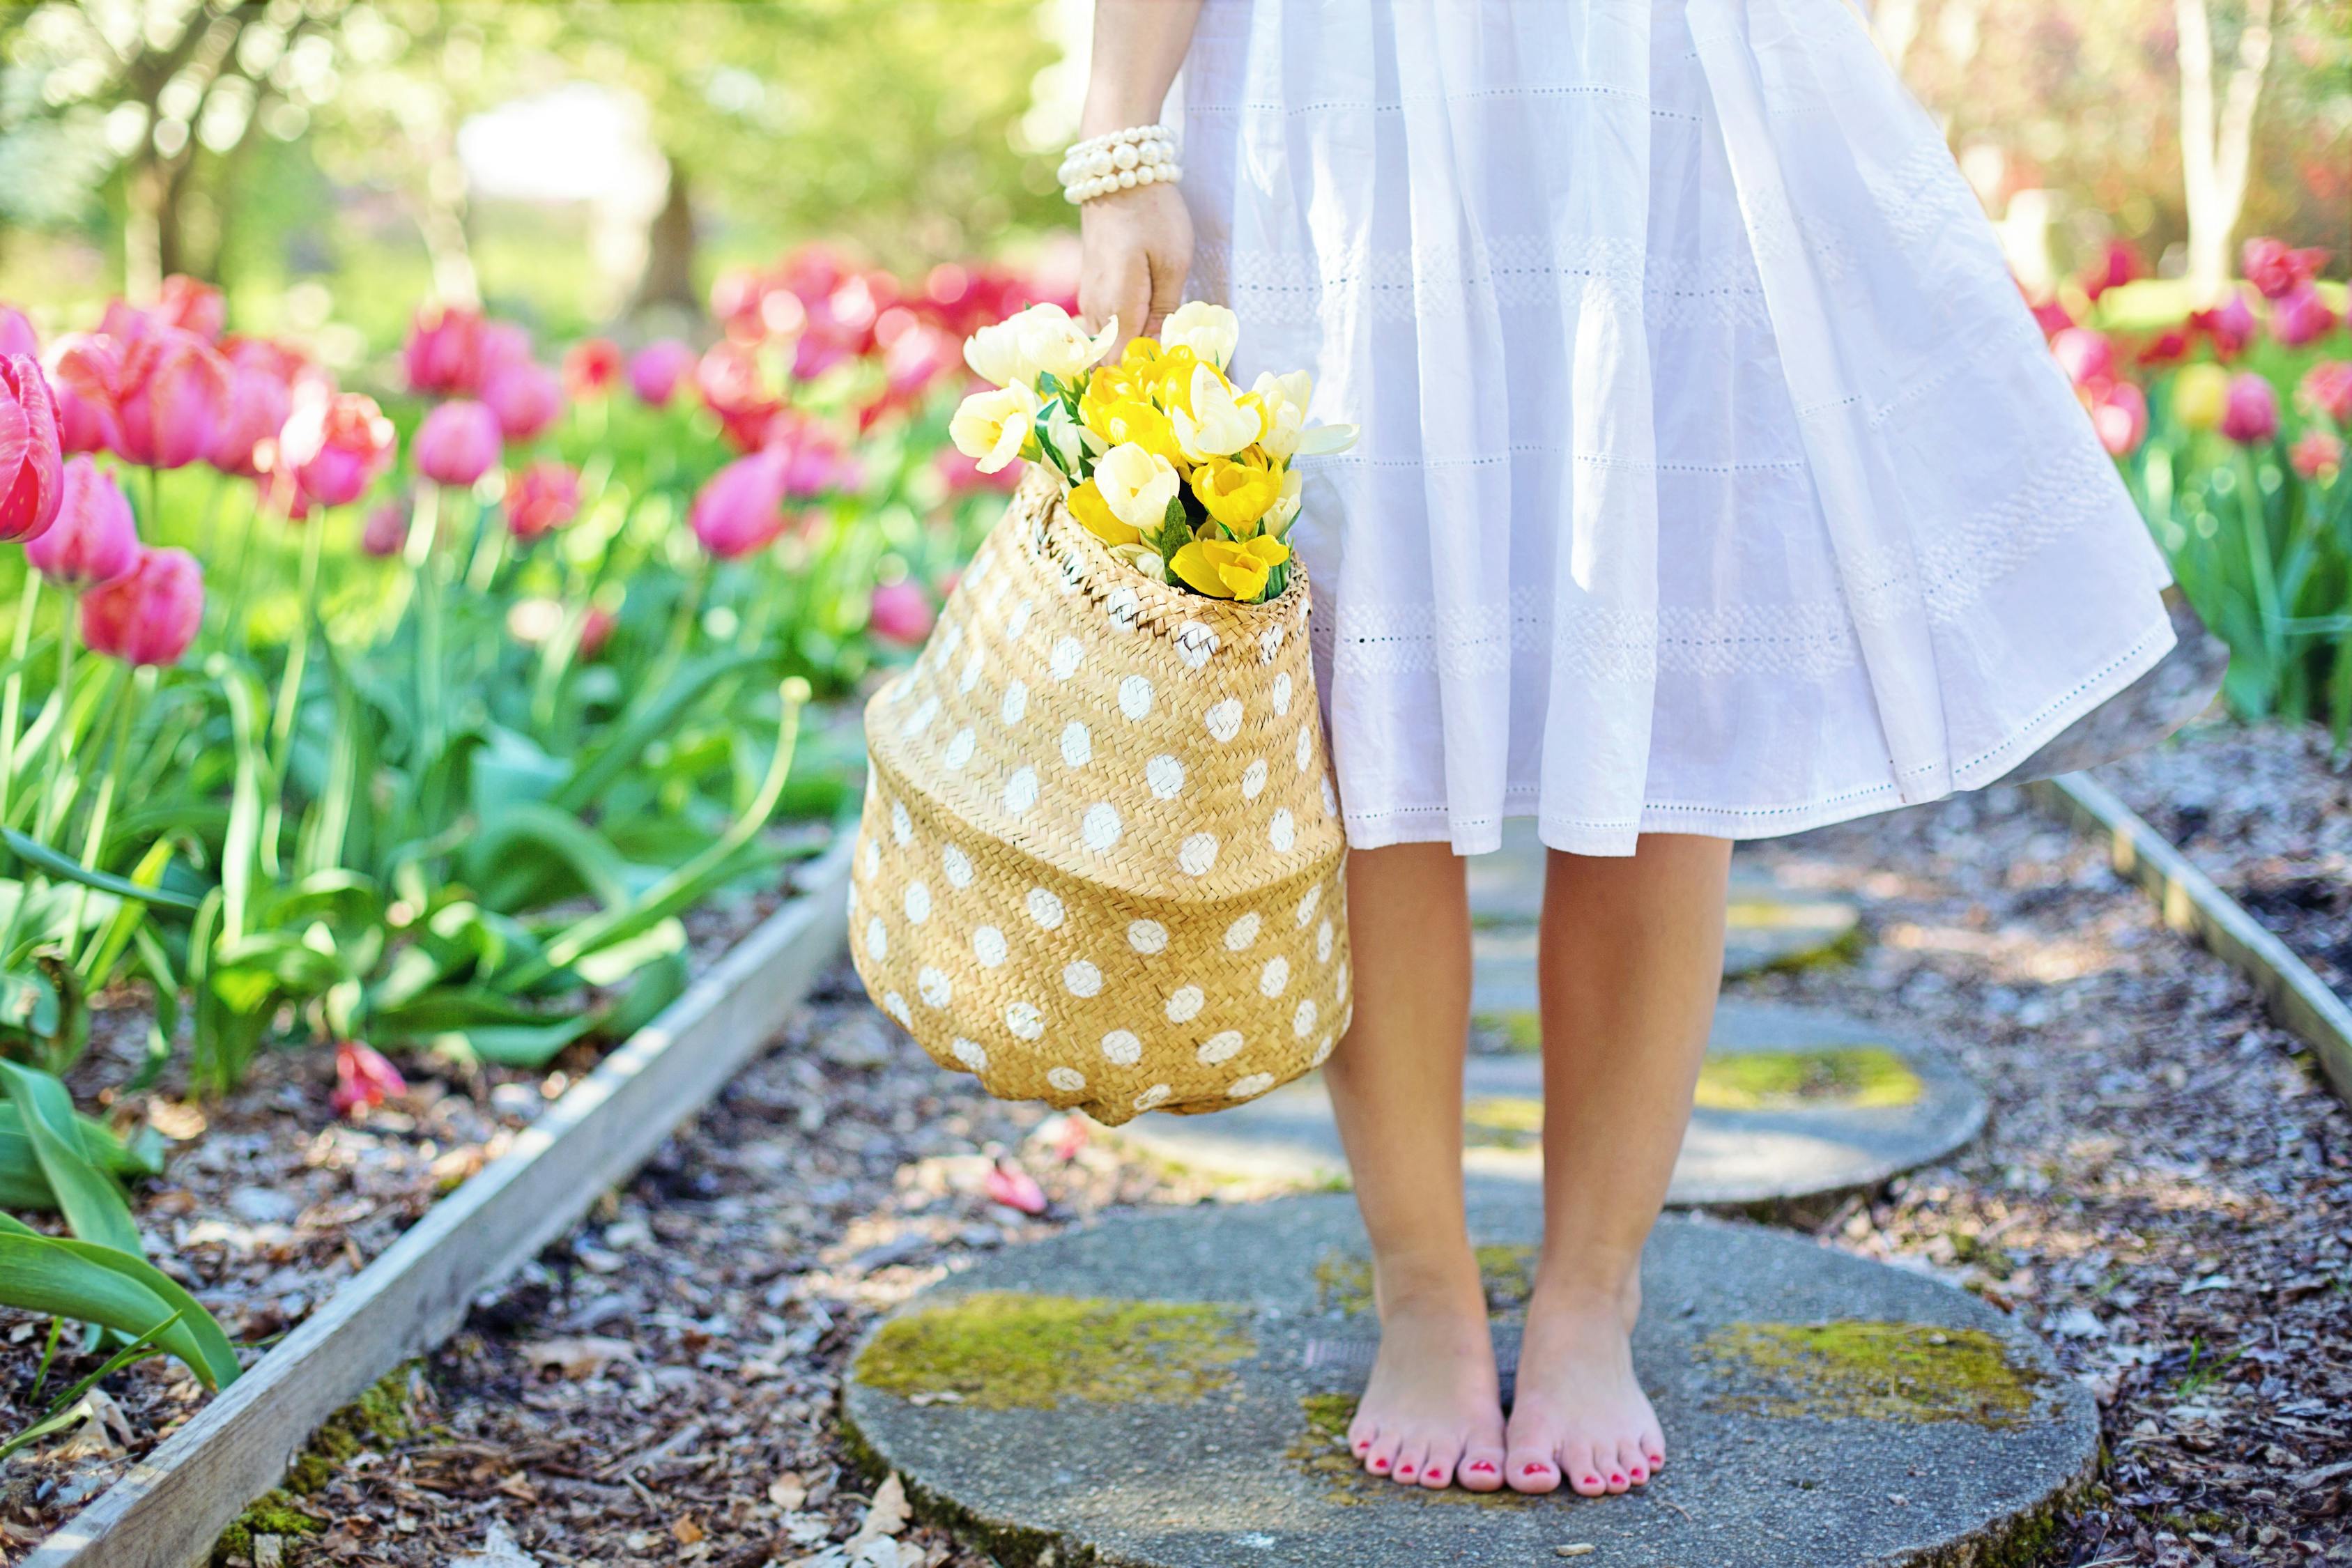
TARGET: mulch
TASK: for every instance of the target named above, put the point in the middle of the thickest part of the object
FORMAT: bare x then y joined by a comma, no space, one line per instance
2165,1192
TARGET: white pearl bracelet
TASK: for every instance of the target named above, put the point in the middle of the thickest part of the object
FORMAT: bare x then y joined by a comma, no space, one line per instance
1100,165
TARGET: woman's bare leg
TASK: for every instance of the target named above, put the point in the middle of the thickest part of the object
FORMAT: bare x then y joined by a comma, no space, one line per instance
1631,956
1432,1413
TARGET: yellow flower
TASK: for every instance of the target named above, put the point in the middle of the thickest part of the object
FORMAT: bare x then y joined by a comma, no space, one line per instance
1131,419
1285,509
1139,352
1214,422
1236,494
2200,395
1224,570
1171,377
1208,331
1094,513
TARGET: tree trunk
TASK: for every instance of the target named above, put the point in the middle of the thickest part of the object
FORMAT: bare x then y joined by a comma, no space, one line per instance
2217,141
669,278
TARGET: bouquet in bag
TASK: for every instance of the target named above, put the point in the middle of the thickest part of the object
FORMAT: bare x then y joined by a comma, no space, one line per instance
1101,862
1184,476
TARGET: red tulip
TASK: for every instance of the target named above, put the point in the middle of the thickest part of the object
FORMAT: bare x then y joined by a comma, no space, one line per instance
2119,264
17,334
2167,347
363,1080
2317,455
2328,389
655,373
596,628
1014,1188
2086,356
458,443
543,497
2251,414
386,530
2278,271
2229,324
2300,317
150,614
901,614
32,478
84,369
741,507
526,397
443,352
94,538
335,444
169,399
590,367
2121,418
191,305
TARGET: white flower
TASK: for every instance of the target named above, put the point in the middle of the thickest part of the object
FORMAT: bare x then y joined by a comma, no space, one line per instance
1208,331
1061,432
1283,398
1285,509
990,426
1136,485
1218,426
1041,340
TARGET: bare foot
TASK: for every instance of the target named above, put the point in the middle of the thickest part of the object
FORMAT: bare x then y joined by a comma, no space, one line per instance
1432,1414
1579,1418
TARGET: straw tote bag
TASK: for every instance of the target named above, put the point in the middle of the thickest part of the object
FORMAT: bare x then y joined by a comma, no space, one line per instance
1099,863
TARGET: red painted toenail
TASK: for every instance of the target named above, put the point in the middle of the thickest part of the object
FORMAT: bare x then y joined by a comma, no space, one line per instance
1404,1469
1481,1468
1535,1469
1616,1479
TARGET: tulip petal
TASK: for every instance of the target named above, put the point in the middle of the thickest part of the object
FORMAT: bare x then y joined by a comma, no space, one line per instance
1192,564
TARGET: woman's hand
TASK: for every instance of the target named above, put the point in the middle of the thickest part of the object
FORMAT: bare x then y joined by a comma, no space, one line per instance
1134,250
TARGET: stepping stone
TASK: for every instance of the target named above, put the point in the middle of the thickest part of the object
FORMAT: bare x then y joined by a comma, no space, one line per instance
1791,1104
1171,1390
1770,926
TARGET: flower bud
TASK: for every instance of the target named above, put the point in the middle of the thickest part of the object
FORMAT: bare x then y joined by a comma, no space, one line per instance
31,466
901,614
656,370
94,538
150,614
543,497
458,444
525,396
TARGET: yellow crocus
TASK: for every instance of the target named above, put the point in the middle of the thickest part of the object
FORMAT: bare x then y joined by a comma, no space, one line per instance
1225,570
1236,494
2200,395
1171,377
1094,514
1131,419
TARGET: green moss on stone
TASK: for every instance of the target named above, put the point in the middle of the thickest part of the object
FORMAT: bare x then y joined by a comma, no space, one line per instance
1004,1350
1846,1075
1320,1453
1869,1371
1343,1283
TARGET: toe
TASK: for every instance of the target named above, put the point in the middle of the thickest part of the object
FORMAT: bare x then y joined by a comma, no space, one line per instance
1480,1469
1584,1472
1381,1457
1531,1470
1631,1464
1411,1459
1362,1432
1438,1469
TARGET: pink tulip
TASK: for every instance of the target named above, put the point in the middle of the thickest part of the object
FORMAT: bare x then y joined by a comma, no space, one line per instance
2119,264
2278,271
458,443
1014,1188
2300,317
193,306
504,345
17,334
734,388
2251,414
443,352
150,614
335,444
2052,318
259,398
2328,389
655,373
2121,418
386,530
590,367
169,399
2167,347
94,538
2230,324
526,397
741,507
2317,455
363,1080
901,614
543,497
84,368
32,478
596,628
2086,356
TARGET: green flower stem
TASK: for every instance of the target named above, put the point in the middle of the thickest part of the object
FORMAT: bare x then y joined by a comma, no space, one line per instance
290,692
240,571
681,626
2257,552
12,704
101,811
420,557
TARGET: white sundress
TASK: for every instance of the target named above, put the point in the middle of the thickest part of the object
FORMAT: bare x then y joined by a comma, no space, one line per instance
1714,477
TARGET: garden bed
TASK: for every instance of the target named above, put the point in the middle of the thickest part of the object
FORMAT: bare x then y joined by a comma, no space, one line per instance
270,1202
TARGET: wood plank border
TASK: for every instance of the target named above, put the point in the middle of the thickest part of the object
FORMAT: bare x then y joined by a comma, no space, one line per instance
2192,904
172,1506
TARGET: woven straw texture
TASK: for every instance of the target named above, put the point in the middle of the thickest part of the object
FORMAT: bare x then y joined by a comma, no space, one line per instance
1100,858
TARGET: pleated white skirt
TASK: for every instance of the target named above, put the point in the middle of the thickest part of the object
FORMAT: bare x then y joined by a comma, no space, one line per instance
1713,475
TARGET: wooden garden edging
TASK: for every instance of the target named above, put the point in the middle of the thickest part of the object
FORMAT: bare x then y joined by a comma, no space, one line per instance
2192,905
172,1505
